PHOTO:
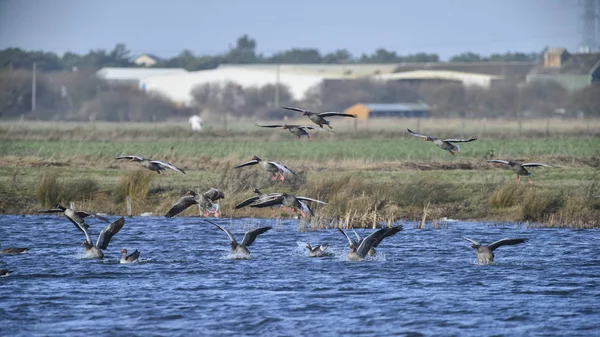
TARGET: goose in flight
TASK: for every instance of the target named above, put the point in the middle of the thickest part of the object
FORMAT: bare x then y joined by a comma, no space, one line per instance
272,167
444,144
319,118
296,130
76,217
131,258
247,241
485,253
316,251
95,251
13,250
153,165
358,253
257,198
206,200
519,169
294,203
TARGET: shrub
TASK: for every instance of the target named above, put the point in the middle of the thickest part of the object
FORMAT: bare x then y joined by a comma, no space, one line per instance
135,184
48,189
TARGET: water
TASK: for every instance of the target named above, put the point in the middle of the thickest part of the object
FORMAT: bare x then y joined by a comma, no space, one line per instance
423,282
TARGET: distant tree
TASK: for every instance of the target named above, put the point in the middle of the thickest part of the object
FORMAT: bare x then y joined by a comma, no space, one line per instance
338,56
296,55
511,57
380,56
17,58
244,51
542,98
421,57
586,100
466,57
446,99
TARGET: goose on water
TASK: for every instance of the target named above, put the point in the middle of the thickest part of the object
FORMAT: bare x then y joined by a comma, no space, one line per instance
519,169
157,166
444,144
358,253
272,167
4,272
319,118
13,250
131,258
95,251
206,201
247,241
485,253
316,251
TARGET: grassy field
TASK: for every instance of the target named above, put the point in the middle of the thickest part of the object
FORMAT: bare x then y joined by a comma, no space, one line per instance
377,172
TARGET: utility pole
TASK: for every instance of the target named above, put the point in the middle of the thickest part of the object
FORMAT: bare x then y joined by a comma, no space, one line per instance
33,89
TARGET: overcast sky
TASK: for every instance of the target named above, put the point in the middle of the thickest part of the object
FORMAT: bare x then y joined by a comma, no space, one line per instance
445,27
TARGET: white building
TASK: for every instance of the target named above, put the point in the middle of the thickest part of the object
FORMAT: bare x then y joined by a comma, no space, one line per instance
133,76
467,79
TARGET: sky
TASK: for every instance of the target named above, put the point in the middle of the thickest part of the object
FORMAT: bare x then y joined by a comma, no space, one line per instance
165,28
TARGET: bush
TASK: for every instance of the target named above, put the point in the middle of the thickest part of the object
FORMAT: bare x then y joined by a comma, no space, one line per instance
508,195
537,205
135,184
48,189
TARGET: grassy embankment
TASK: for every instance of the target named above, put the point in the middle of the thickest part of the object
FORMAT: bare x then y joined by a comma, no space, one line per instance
377,172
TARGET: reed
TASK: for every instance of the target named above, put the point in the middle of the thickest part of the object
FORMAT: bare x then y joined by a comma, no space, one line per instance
135,184
48,189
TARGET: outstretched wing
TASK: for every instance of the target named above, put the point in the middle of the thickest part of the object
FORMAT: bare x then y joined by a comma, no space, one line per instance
306,127
167,165
417,134
472,241
390,231
295,109
453,140
498,161
108,232
131,157
246,202
535,164
270,125
506,242
252,162
251,235
282,167
350,242
181,205
305,208
84,214
214,194
341,114
311,199
231,238
269,202
370,240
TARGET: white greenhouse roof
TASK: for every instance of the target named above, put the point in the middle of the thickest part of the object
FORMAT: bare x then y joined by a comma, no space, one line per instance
132,74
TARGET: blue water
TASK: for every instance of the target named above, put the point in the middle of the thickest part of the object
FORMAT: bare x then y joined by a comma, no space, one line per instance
422,282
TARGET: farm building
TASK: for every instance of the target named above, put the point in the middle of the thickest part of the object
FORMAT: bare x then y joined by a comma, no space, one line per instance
133,76
178,87
572,71
420,76
146,60
365,111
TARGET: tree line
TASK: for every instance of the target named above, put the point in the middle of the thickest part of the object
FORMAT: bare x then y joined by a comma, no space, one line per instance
244,51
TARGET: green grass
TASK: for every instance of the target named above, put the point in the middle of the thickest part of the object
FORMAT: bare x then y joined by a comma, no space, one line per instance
350,149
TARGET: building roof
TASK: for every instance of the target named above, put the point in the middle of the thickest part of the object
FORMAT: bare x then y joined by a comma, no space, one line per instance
135,74
345,70
575,64
504,69
467,79
395,106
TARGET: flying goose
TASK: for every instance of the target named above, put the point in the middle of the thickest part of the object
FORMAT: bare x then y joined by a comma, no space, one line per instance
247,241
318,118
95,252
359,253
153,165
257,198
316,251
206,200
76,217
297,130
444,144
131,258
519,169
294,203
485,253
272,167
13,250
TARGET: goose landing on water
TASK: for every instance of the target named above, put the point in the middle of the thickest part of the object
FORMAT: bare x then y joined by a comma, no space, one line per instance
519,169
358,253
485,253
316,251
206,201
95,252
247,241
131,258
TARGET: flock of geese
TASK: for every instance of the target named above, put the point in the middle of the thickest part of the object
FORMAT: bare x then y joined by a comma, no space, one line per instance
360,247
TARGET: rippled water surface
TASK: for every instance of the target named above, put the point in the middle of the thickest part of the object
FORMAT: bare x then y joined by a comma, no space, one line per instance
422,282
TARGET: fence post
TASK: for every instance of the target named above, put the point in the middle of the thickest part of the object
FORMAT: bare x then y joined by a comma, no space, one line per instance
129,208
